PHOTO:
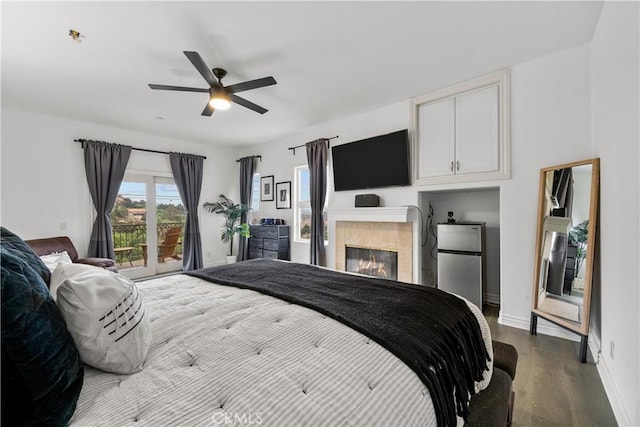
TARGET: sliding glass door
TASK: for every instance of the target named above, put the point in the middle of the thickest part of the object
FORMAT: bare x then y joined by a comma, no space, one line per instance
170,218
148,226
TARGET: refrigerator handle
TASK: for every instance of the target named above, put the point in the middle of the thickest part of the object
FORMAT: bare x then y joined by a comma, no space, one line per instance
455,252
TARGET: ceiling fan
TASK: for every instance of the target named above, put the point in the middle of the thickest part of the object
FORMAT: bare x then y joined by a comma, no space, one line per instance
220,96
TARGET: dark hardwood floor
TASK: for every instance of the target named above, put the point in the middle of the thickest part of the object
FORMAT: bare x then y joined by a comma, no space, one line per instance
552,388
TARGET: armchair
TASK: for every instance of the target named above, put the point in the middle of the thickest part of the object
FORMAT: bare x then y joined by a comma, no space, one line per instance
63,243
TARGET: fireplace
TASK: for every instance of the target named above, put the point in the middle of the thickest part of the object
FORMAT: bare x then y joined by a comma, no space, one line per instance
372,262
386,228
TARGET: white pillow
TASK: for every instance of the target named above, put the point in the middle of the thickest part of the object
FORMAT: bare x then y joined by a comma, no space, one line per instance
52,260
105,316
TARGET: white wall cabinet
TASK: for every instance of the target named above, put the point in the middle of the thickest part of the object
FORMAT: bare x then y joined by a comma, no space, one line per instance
461,133
437,138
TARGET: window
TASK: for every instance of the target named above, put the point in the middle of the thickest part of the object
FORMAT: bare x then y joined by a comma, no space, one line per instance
254,213
302,206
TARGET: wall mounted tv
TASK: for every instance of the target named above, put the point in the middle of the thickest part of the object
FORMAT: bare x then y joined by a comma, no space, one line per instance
380,161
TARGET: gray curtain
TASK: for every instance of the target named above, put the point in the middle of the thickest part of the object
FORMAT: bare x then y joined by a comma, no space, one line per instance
187,172
247,168
104,165
317,153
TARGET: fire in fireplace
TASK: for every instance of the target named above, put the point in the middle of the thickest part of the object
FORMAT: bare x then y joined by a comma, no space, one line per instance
372,262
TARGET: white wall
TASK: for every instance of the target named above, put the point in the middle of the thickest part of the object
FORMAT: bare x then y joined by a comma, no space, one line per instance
44,190
550,125
615,89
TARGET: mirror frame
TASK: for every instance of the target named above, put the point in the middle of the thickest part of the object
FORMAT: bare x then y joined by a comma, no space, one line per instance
583,327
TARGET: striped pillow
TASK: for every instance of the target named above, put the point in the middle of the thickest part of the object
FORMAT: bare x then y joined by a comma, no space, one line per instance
105,316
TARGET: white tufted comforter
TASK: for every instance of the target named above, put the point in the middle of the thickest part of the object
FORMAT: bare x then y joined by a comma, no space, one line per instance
227,356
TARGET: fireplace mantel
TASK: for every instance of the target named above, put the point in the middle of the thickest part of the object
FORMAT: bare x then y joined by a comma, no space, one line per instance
385,214
402,214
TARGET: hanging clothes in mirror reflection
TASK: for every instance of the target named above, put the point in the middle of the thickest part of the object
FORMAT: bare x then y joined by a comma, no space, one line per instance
562,192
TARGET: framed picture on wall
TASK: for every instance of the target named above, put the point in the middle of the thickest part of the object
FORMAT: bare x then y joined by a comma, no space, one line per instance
266,188
283,195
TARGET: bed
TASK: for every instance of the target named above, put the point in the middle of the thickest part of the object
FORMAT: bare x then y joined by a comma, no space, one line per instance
225,354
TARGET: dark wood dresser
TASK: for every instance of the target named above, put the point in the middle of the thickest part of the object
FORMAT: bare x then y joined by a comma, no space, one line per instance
269,241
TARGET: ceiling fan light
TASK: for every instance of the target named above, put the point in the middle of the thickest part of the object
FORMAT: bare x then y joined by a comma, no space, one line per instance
220,100
220,103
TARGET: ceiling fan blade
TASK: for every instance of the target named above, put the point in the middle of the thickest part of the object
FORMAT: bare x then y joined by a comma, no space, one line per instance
180,88
202,68
248,104
252,84
208,110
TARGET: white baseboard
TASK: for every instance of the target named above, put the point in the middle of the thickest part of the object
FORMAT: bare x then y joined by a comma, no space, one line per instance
619,411
595,346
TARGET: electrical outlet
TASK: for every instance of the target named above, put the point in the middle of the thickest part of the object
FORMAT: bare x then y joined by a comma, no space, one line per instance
63,226
612,347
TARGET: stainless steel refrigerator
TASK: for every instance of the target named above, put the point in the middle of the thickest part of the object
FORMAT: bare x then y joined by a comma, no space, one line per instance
461,259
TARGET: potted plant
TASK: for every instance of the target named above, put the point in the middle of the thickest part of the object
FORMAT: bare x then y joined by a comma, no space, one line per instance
579,235
232,212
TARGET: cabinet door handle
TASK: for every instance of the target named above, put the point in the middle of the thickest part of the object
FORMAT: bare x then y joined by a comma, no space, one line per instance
457,165
451,165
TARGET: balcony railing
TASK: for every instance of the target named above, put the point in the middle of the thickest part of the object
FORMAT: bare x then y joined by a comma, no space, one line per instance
129,237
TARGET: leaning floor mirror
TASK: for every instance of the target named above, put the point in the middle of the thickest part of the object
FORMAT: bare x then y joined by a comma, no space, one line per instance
565,245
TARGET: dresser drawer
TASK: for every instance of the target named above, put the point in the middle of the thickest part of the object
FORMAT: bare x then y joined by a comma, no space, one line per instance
270,254
254,230
255,253
273,231
276,244
255,243
269,232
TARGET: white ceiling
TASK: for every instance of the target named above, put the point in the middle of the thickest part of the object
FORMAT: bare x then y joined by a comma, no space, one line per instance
331,59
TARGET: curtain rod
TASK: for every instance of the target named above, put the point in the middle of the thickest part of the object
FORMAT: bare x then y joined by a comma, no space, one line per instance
302,145
82,141
258,157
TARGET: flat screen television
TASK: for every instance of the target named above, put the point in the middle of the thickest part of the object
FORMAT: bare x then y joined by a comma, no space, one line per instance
380,161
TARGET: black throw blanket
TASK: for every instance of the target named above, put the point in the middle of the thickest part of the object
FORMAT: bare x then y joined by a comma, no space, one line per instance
431,331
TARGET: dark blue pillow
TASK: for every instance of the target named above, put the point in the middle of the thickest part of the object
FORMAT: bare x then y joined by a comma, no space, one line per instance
15,244
41,369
